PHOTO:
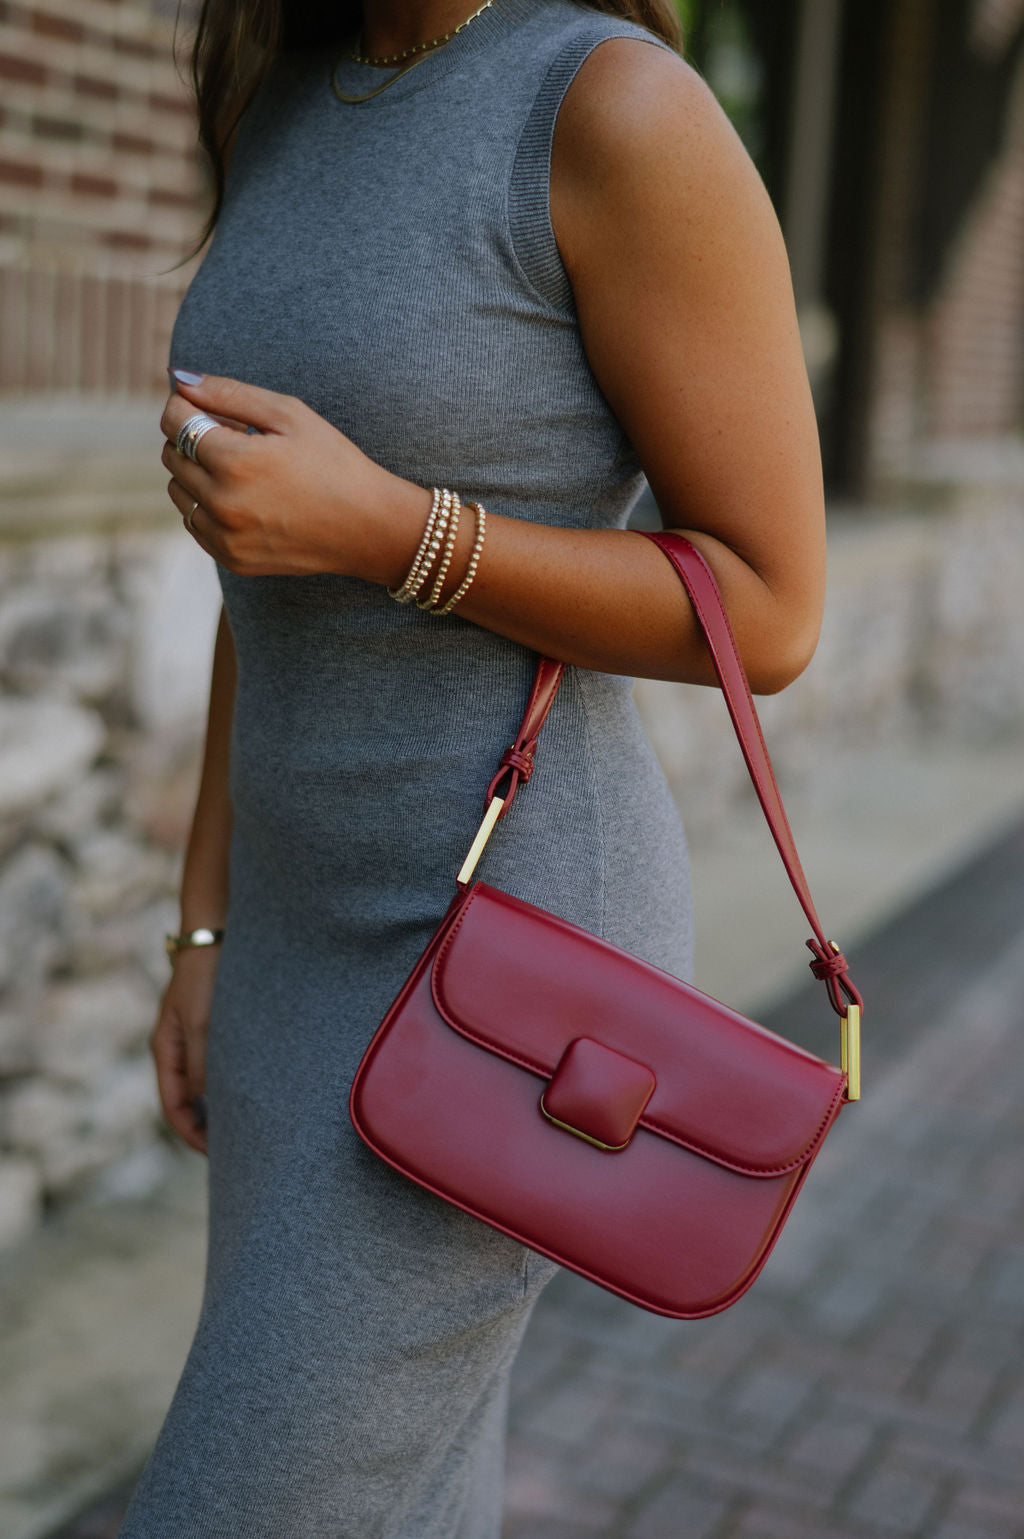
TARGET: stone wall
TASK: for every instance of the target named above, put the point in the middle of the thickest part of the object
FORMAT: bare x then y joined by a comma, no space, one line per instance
107,613
106,631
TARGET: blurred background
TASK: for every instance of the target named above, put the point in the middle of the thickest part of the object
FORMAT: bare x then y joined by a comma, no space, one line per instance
890,134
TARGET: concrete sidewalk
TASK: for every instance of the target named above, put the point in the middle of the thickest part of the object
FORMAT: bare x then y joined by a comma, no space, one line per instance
871,1386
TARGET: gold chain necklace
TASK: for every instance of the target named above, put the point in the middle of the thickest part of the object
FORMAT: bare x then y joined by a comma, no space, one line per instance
420,50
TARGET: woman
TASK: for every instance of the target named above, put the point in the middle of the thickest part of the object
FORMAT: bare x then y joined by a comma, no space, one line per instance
528,261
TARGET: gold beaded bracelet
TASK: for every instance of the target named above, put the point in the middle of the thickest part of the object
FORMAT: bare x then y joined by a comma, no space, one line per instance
474,561
416,575
448,501
441,528
446,558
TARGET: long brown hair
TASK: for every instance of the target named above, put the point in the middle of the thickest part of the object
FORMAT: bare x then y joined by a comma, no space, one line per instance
236,42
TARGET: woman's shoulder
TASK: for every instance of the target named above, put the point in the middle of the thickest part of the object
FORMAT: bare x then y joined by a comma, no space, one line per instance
629,98
641,136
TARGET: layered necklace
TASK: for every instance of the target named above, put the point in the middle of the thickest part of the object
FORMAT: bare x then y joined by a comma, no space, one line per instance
415,55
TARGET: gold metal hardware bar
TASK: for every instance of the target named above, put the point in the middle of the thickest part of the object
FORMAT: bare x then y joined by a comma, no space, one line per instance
484,832
849,1051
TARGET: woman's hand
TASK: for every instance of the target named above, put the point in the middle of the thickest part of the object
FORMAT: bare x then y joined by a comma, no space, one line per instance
178,1042
296,497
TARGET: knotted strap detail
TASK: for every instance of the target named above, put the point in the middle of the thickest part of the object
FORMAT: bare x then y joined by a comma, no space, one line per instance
831,968
520,759
515,769
517,764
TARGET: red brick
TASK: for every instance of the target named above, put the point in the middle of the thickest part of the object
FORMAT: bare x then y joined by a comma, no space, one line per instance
93,186
683,1507
166,197
91,85
895,1498
161,102
19,174
12,67
138,48
538,1491
48,25
133,144
128,240
763,1521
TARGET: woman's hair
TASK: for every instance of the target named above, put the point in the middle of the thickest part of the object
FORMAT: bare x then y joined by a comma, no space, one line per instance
236,41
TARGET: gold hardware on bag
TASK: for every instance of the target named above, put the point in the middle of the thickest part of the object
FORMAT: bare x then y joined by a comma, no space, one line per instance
849,1051
484,832
567,1127
849,1045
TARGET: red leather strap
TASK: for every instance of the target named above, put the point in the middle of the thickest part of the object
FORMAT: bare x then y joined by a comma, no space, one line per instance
697,578
702,590
517,761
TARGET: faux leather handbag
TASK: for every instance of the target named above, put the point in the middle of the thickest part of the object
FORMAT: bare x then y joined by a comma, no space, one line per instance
590,1105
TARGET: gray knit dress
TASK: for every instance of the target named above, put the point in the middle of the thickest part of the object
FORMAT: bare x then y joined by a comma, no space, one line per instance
393,264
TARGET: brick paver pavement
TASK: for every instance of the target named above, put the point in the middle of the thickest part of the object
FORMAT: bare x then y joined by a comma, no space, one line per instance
871,1385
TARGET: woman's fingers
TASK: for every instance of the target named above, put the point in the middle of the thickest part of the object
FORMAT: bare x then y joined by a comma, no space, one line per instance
193,477
268,410
177,1082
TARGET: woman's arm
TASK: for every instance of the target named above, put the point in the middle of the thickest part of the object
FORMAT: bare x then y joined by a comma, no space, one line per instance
687,315
178,1039
204,883
685,305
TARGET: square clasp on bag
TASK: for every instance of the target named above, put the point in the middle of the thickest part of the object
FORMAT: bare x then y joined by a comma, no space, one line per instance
598,1094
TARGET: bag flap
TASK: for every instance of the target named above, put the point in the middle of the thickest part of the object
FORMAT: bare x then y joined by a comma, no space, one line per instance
524,984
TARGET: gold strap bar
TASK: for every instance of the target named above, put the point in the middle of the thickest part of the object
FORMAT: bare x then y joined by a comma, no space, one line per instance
849,1051
484,832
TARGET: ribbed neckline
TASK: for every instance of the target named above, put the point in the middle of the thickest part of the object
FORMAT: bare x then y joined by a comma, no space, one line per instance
356,78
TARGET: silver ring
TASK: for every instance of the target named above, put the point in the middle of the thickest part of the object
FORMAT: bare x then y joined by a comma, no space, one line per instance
187,427
191,431
190,515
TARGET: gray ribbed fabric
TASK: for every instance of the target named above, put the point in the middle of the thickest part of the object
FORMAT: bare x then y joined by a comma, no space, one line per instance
393,264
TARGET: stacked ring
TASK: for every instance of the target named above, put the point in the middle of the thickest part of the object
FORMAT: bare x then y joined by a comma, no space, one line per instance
191,431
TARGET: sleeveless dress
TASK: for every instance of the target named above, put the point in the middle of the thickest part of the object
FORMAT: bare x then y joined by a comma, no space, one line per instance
393,264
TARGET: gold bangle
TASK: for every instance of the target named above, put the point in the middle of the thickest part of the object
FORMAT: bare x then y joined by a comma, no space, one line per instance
446,559
402,593
202,936
474,561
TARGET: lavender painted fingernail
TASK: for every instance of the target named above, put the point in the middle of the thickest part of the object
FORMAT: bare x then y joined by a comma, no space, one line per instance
186,377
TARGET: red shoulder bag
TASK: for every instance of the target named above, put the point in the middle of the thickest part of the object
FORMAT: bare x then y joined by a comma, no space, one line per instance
595,1108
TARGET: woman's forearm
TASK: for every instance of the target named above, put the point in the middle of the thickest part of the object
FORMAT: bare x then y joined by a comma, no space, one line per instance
204,885
608,599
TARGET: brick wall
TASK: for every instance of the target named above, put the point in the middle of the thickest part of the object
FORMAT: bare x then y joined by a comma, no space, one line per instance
953,369
100,193
974,338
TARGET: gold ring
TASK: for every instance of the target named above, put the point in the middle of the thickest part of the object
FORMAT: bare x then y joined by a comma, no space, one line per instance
190,515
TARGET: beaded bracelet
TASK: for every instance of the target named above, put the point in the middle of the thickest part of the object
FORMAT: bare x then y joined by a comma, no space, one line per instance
440,506
448,504
446,559
474,561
